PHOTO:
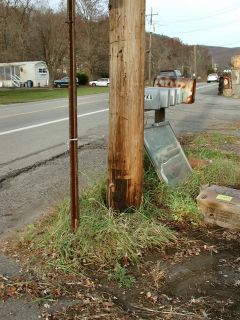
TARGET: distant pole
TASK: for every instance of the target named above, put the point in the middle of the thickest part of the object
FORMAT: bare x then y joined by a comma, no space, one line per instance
150,51
126,114
150,48
195,59
73,134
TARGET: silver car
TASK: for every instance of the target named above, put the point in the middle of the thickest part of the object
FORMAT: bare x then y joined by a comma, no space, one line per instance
102,82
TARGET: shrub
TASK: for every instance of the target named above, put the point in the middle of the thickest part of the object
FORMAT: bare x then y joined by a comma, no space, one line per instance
82,79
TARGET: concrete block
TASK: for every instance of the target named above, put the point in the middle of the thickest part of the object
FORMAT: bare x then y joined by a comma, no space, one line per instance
227,92
220,206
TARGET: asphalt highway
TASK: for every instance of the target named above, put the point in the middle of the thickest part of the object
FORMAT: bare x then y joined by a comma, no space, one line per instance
33,132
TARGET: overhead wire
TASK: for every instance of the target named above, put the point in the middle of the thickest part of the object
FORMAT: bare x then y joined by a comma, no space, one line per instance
215,13
210,28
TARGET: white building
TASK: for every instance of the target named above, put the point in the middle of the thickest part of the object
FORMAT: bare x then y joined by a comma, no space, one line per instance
27,73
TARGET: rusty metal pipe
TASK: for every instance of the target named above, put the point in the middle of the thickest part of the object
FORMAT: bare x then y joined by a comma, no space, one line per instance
73,133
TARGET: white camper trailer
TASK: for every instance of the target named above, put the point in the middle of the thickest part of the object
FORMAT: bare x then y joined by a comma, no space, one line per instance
24,74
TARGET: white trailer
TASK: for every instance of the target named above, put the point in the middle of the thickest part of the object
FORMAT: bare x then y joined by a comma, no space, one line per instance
24,74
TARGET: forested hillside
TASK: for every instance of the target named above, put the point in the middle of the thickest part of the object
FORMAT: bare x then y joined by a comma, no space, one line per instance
222,55
29,31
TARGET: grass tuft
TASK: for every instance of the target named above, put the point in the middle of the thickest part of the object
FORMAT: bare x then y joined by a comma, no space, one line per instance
102,238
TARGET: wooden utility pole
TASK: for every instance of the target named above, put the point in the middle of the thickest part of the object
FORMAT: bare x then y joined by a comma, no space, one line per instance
126,123
73,134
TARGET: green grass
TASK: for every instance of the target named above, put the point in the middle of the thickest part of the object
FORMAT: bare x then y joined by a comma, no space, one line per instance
17,95
104,239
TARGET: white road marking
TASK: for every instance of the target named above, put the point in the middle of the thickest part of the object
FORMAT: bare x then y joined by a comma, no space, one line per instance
50,122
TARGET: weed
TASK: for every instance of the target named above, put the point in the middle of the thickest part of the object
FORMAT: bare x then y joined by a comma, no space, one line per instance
120,275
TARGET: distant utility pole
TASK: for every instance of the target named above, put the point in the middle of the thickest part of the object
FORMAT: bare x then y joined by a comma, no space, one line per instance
126,99
150,47
73,134
195,60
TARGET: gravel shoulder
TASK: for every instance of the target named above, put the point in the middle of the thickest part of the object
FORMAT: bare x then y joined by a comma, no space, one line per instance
45,185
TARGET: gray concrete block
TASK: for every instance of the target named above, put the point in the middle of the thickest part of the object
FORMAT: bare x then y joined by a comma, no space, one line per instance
220,206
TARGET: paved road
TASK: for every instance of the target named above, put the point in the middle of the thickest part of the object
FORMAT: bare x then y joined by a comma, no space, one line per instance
208,112
35,132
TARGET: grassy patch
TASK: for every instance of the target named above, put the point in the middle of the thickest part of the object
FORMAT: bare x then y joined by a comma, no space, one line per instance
8,96
106,240
102,238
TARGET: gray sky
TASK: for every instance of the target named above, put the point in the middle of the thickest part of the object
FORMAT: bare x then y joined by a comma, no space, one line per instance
209,22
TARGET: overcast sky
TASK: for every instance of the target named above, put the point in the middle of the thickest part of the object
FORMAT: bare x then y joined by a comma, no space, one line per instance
209,22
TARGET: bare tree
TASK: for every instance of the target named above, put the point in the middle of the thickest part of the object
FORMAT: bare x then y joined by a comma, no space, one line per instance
92,37
91,9
50,39
14,20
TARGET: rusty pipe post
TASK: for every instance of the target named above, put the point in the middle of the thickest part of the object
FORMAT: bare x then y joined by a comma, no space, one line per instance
73,134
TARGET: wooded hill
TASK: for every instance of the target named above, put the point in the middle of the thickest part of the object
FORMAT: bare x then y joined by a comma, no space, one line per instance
29,32
221,55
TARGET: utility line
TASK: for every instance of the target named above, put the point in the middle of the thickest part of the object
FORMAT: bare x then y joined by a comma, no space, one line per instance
208,28
214,14
226,44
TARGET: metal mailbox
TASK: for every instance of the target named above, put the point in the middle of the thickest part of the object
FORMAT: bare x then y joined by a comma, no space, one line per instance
172,95
152,99
156,98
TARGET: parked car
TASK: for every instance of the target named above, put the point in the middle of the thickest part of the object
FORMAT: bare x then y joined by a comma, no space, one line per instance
212,77
102,82
64,82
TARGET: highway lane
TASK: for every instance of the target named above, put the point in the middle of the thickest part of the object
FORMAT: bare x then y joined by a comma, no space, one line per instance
34,132
23,115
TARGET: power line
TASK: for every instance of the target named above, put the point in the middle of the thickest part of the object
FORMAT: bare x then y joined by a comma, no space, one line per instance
214,14
226,44
209,28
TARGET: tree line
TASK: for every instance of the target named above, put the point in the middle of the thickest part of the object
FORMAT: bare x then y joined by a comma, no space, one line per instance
32,31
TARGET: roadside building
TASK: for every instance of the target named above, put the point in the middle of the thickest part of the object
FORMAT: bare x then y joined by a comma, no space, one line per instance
24,74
